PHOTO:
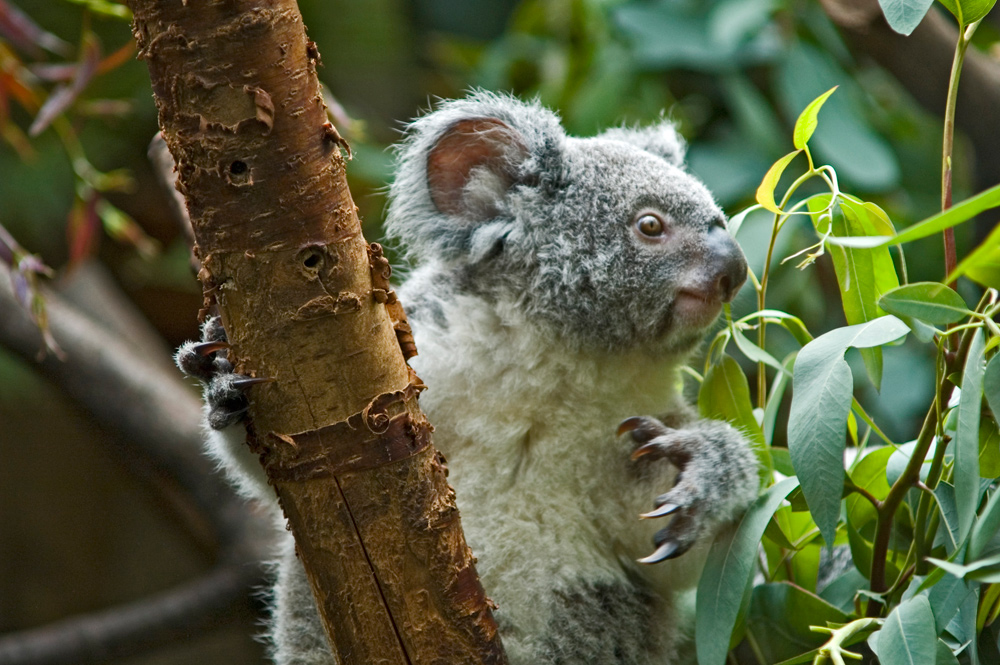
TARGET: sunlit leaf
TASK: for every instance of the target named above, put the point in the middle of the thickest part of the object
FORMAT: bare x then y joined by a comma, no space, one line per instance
727,571
968,11
807,121
765,193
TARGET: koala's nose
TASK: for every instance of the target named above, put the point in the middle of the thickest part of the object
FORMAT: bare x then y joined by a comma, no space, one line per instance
727,259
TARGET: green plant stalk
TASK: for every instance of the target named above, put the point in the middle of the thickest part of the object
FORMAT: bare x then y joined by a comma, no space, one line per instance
964,39
910,475
779,221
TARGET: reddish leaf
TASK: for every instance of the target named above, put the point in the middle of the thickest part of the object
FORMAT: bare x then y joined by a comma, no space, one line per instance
63,96
82,228
26,35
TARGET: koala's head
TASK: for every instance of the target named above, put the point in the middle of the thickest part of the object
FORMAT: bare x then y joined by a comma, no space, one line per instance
606,241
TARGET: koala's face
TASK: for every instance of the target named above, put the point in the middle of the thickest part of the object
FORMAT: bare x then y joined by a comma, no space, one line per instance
606,241
631,251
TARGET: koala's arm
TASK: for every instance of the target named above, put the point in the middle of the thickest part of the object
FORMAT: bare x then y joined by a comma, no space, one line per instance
718,475
224,408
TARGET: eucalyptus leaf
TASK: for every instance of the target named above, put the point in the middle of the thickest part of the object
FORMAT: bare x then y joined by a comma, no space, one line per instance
966,475
953,216
991,386
725,395
816,436
765,192
908,636
904,16
931,302
727,571
807,121
983,264
968,11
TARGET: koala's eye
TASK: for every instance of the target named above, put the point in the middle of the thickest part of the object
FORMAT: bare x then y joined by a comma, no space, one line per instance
650,225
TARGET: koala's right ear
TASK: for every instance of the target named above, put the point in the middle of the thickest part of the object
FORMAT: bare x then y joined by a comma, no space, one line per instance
458,166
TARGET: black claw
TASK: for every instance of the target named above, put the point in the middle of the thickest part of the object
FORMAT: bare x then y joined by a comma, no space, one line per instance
667,550
207,348
662,511
243,384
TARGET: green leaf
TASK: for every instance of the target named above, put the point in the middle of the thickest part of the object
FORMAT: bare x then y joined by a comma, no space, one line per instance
989,449
991,386
932,302
821,401
765,193
725,395
968,11
953,216
868,474
780,615
966,476
908,636
983,264
985,527
904,16
862,274
807,121
727,571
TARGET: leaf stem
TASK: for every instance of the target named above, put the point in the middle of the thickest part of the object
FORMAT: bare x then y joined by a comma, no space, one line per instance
948,143
779,221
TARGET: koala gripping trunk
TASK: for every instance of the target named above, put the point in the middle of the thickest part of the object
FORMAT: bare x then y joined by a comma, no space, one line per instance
307,303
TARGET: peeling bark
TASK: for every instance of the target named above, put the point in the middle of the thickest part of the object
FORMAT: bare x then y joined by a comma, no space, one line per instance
307,302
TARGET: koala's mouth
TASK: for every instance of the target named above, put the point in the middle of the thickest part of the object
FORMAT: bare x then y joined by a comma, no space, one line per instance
695,309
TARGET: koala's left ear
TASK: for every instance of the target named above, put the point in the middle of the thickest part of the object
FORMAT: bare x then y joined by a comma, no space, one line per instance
660,139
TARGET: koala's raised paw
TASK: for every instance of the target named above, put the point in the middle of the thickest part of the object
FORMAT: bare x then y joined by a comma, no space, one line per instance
693,498
207,361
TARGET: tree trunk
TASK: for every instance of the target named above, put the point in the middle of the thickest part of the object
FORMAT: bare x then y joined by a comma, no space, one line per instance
307,302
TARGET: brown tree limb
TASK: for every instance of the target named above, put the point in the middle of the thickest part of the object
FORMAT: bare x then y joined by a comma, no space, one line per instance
157,420
306,302
138,627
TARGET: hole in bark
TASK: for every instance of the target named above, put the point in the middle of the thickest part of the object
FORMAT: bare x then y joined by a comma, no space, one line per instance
311,259
238,174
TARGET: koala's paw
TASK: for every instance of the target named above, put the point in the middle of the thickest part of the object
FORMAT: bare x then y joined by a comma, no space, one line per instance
696,501
207,361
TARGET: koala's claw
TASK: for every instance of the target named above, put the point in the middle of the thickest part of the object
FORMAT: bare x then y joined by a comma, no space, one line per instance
225,391
661,511
685,502
667,550
209,347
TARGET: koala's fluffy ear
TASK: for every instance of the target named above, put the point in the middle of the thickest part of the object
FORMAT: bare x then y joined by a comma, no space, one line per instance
660,139
472,166
458,166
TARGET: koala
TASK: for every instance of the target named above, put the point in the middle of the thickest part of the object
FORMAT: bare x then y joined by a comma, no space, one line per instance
559,285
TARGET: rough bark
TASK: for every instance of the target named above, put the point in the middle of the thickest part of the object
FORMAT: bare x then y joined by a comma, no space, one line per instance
306,302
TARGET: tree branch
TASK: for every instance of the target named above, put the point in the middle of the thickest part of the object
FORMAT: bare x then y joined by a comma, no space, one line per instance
306,302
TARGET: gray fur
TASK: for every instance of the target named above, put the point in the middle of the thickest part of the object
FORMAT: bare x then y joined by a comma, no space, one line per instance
544,318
